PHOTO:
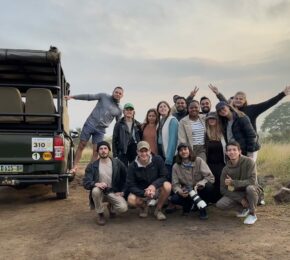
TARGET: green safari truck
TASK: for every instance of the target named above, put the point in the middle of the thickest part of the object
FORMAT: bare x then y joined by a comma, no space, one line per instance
36,146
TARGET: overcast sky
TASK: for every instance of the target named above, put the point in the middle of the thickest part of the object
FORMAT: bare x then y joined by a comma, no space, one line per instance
156,49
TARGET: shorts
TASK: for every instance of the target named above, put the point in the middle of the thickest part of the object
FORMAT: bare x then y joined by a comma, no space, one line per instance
88,131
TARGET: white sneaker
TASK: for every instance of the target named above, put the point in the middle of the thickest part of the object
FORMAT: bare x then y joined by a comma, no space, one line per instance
250,220
159,215
152,203
243,213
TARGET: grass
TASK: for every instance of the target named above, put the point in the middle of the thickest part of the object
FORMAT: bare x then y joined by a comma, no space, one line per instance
86,155
274,162
274,159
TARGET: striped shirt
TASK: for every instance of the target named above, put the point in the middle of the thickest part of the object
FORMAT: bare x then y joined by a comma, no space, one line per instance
198,132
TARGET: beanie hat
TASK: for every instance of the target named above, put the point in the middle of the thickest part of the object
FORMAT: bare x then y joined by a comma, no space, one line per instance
99,144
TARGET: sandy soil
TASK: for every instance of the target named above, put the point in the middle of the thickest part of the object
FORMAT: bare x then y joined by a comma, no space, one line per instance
34,225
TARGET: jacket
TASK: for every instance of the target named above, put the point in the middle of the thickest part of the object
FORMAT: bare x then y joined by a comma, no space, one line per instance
243,133
139,177
199,173
185,130
122,137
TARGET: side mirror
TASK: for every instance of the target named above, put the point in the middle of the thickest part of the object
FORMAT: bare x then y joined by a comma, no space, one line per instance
74,134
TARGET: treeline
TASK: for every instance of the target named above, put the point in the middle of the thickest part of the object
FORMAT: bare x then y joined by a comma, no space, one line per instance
276,126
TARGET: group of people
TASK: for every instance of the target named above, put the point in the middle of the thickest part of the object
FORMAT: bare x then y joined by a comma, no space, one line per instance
183,155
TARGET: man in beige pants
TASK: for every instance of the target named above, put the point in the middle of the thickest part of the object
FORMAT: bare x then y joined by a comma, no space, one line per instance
106,178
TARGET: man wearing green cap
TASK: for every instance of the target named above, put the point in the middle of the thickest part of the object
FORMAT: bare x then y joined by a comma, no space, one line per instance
127,133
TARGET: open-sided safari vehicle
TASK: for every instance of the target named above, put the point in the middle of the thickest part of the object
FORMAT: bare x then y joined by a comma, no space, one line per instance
35,145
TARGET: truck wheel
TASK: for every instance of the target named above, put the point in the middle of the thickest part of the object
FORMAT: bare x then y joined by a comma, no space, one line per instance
63,194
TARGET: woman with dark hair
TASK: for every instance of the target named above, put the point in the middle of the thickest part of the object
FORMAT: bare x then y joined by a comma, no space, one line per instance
192,130
237,127
127,133
191,173
149,128
167,135
215,149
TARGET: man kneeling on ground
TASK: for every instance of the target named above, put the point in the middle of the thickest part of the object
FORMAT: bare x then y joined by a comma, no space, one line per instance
106,178
192,182
239,185
146,179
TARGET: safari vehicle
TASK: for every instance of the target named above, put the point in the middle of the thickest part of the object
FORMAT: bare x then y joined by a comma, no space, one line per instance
35,144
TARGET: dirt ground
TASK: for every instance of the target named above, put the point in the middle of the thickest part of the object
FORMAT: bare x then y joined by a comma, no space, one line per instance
34,225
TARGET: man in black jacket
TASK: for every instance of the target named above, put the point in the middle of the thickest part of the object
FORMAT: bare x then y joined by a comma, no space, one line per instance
146,178
106,178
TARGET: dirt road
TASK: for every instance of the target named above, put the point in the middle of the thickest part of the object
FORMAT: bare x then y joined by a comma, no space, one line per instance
34,225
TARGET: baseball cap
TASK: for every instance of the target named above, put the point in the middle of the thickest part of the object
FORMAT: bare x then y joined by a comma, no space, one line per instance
142,145
128,105
220,105
211,115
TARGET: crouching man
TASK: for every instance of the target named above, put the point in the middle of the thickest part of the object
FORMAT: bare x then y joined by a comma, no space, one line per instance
239,185
106,178
192,182
146,180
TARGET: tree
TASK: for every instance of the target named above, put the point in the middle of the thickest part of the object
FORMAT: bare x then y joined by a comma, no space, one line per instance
277,123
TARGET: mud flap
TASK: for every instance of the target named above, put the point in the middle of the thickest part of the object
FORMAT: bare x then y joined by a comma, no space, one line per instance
61,189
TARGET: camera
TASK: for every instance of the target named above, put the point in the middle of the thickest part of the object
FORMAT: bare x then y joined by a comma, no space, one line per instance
197,201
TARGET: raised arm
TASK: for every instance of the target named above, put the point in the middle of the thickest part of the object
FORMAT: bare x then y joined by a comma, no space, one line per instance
192,94
219,95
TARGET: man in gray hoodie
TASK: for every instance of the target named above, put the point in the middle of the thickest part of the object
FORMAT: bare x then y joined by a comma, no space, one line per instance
100,118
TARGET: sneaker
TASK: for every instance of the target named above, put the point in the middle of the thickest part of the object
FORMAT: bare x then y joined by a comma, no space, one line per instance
243,213
143,212
101,219
203,214
159,215
250,219
152,203
262,203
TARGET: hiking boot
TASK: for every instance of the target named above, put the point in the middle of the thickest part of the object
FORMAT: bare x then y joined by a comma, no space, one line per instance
159,215
250,219
101,219
203,214
143,213
243,213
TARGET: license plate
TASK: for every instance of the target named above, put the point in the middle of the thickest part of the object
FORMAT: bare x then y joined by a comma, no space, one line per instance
5,168
41,144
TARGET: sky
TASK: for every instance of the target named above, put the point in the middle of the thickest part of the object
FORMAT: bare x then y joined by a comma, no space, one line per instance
156,49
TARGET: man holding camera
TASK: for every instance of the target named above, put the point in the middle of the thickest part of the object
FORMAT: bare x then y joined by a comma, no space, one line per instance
239,185
106,178
147,180
192,182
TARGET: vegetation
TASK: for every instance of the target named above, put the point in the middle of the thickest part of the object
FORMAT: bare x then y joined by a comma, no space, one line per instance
276,125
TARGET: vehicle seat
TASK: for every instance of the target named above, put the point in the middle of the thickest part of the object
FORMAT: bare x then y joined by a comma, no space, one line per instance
10,102
39,101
